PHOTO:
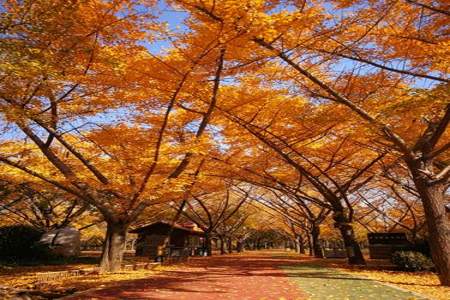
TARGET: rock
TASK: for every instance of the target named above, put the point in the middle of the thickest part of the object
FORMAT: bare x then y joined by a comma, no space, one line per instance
62,242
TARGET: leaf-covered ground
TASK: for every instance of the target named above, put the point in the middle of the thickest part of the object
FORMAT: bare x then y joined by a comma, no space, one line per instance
26,277
79,283
424,283
328,283
251,275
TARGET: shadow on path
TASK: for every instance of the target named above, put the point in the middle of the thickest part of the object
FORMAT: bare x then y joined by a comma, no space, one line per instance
251,276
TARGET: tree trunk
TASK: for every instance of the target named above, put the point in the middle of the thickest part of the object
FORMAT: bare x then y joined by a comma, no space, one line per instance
230,245
259,245
208,245
310,249
433,201
296,245
239,246
354,254
113,247
315,235
301,244
222,246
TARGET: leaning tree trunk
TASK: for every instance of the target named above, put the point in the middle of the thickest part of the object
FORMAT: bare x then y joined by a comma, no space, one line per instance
352,248
354,254
433,201
315,235
113,247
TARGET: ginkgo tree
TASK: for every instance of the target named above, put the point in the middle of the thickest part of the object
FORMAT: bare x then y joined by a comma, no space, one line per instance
43,207
371,58
98,115
314,102
212,211
320,154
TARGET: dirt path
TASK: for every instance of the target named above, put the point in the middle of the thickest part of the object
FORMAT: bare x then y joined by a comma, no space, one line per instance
252,276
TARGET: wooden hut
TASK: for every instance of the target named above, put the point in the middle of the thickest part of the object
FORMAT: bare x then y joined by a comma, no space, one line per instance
382,245
185,240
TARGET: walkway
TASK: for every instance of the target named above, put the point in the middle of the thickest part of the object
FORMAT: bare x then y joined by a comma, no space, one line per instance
252,276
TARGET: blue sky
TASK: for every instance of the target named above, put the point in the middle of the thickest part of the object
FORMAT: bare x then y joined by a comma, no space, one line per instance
175,21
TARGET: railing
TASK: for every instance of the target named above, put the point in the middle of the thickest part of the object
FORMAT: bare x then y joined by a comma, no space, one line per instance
180,254
44,277
334,253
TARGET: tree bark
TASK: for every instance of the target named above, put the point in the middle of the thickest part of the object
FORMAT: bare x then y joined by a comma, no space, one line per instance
113,247
354,254
310,249
433,201
315,235
230,245
301,244
239,246
296,245
222,245
208,245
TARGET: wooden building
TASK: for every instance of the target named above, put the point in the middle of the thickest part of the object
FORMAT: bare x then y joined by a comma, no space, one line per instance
382,245
185,240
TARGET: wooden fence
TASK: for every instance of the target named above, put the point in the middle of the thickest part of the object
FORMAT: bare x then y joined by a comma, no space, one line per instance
50,276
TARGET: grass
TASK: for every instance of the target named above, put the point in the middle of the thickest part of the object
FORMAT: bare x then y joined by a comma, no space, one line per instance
329,283
424,283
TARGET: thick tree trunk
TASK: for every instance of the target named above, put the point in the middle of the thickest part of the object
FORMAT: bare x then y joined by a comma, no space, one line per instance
239,246
301,244
222,246
260,245
438,224
296,245
113,247
310,249
354,254
208,245
315,236
230,245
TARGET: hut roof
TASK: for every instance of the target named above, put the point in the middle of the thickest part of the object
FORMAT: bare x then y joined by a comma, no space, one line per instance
183,227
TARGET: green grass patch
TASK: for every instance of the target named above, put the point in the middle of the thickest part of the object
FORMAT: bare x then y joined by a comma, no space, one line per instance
326,283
